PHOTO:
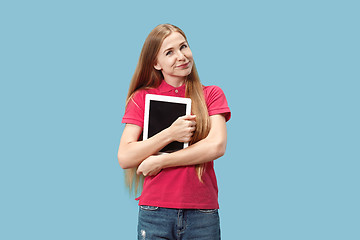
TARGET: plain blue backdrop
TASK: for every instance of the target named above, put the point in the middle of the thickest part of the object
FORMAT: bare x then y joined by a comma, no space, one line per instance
289,69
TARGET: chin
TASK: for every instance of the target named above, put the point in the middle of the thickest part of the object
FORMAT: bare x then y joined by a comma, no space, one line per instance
185,75
189,70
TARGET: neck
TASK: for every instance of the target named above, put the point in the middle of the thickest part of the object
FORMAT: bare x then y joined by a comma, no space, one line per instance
175,82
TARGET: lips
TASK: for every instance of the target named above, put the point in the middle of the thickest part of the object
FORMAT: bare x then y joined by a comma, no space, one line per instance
184,65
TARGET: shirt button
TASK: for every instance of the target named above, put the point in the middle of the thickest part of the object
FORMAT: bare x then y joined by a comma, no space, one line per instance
176,91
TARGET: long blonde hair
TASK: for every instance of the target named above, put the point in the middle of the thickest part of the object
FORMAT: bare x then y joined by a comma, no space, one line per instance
146,76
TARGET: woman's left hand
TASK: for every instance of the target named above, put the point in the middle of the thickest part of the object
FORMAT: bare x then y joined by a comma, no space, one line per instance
150,166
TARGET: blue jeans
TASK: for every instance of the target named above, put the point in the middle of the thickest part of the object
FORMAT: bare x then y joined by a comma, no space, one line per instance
167,223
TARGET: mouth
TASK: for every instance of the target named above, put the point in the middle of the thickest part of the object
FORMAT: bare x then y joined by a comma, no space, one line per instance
185,65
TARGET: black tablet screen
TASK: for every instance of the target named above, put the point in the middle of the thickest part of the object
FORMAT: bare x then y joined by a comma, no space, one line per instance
161,116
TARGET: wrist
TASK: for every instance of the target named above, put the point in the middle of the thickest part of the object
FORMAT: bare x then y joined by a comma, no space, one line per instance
168,135
164,160
158,161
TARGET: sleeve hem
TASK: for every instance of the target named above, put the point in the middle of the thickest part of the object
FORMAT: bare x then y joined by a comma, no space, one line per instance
225,111
132,121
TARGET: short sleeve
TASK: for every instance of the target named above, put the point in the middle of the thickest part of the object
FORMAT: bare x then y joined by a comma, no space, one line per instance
216,101
134,112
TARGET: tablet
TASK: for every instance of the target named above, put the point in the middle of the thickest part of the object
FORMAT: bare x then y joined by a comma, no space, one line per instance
160,112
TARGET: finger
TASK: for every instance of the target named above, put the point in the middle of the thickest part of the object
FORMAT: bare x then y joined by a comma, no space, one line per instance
188,139
139,172
189,117
157,172
191,123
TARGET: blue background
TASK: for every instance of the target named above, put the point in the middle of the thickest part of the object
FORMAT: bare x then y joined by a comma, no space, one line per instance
290,71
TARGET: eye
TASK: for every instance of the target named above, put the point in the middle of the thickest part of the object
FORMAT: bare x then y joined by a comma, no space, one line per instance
183,46
168,53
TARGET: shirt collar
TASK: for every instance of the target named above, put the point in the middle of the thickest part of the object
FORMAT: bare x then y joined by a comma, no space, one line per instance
165,87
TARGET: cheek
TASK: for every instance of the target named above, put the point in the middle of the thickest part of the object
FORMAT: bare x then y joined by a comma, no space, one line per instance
164,63
189,55
170,62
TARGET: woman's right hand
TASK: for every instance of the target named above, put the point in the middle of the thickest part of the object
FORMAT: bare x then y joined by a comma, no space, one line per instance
183,128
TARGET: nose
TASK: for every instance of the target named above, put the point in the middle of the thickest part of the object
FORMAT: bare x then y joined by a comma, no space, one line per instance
181,55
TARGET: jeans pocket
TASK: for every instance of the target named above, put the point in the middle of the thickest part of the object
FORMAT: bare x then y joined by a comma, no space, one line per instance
208,210
148,208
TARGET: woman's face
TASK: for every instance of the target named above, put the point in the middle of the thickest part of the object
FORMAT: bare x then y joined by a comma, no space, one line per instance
175,58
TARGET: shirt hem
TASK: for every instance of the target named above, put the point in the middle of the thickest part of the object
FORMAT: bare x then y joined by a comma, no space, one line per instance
180,206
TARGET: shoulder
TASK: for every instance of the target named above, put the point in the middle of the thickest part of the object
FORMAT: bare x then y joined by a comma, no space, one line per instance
139,95
212,88
137,99
213,91
216,101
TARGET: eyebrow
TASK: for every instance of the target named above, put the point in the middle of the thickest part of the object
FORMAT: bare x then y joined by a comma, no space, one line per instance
172,47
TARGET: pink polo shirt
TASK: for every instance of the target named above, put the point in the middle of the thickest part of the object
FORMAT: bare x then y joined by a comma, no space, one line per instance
179,187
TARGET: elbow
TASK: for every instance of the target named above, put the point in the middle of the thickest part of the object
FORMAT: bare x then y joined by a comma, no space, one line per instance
122,161
219,149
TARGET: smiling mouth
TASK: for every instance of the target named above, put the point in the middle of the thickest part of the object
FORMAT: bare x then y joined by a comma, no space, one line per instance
184,65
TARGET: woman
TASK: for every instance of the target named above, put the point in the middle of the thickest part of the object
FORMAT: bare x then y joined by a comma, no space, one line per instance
179,197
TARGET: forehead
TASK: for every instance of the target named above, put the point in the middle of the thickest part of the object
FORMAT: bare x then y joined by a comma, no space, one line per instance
174,39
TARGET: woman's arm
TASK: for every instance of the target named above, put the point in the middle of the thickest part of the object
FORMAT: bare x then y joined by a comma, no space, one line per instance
208,149
132,152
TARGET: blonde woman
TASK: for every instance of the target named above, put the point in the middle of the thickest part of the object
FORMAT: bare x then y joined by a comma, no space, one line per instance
179,198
